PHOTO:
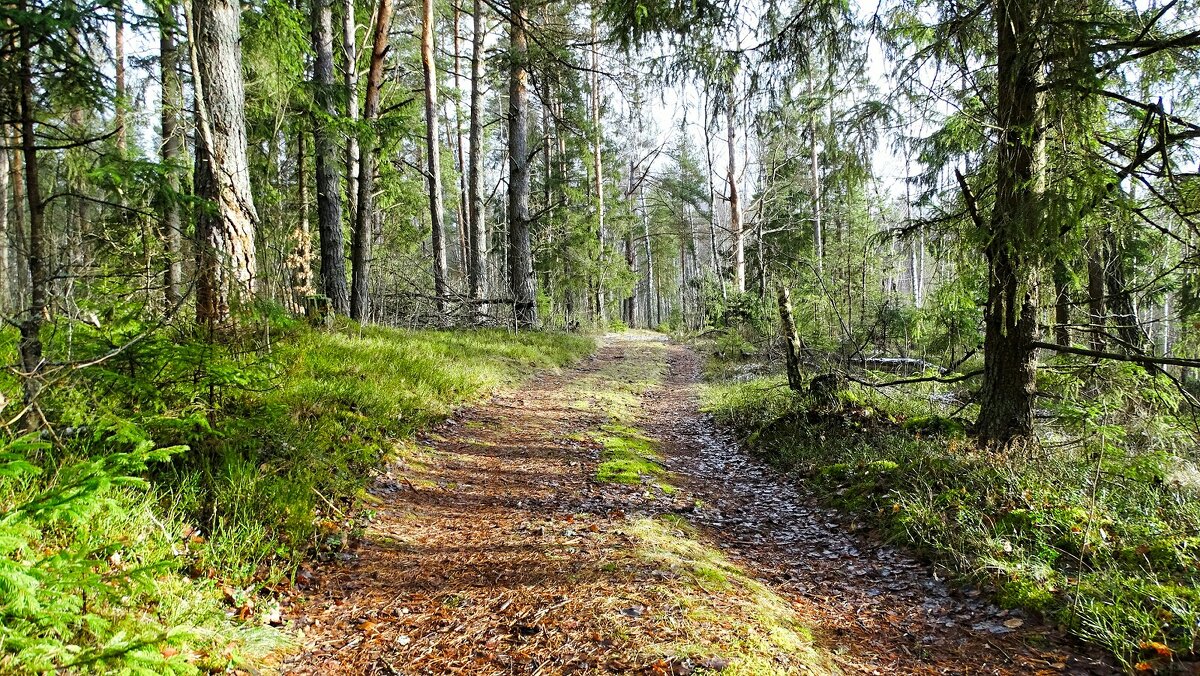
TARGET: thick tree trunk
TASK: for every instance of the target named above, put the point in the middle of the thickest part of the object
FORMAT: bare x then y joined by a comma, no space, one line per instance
520,253
30,344
735,207
476,273
360,298
226,261
1010,316
329,204
350,80
172,154
433,156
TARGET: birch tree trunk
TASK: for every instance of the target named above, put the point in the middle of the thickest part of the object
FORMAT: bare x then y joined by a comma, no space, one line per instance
520,254
350,78
433,155
787,322
477,274
463,211
329,204
226,260
712,201
735,208
360,297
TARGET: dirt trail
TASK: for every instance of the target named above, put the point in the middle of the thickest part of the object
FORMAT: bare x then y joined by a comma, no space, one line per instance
495,550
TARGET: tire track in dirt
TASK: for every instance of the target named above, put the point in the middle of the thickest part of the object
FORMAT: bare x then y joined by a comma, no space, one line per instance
495,551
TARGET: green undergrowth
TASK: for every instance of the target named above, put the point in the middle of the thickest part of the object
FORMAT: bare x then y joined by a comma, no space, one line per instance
181,481
718,612
1101,540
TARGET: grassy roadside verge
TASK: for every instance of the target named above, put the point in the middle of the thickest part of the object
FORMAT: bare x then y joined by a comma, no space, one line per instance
158,523
1101,542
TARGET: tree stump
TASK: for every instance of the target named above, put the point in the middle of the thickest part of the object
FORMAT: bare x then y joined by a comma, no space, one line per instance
318,310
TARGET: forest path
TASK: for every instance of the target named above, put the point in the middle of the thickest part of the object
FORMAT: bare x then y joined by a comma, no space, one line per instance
496,550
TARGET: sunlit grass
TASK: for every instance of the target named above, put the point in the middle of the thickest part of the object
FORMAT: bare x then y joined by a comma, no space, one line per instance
715,608
627,456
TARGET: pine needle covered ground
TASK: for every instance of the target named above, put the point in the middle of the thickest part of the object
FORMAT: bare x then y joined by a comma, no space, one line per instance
593,522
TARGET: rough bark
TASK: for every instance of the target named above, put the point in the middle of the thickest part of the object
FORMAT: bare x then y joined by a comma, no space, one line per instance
30,343
476,273
1010,316
433,156
360,299
172,155
520,253
329,205
225,254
